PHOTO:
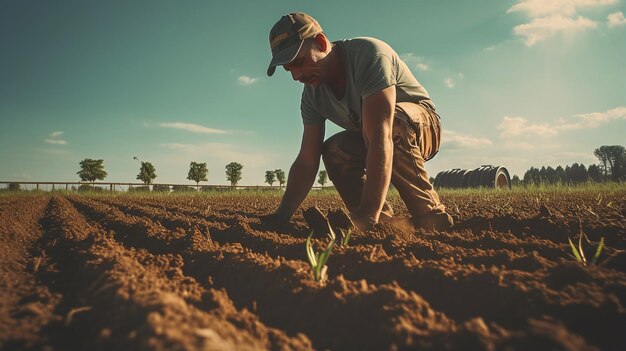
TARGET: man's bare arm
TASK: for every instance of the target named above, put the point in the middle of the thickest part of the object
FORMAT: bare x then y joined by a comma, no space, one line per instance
378,114
303,171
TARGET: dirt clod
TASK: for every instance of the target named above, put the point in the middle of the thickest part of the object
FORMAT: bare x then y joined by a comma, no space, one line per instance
316,220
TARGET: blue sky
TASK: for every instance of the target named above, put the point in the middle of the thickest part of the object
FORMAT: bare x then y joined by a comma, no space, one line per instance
518,83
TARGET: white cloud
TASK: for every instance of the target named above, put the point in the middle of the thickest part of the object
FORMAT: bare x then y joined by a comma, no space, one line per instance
616,19
245,80
594,119
449,82
540,8
190,127
514,126
454,140
417,62
551,17
518,126
56,141
540,29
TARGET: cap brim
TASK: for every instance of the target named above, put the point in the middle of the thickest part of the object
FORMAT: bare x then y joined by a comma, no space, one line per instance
284,56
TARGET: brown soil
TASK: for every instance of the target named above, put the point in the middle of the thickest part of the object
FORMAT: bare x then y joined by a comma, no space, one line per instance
197,273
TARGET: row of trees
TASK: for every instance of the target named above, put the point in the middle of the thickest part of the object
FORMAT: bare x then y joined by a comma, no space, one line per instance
279,175
92,170
574,174
198,172
275,175
612,167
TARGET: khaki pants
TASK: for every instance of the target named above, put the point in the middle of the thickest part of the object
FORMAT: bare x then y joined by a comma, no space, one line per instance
416,138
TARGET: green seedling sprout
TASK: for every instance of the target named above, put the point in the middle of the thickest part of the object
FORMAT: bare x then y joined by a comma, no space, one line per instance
579,253
345,237
331,233
318,260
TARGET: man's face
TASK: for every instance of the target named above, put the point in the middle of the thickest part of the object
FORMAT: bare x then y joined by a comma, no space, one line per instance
306,67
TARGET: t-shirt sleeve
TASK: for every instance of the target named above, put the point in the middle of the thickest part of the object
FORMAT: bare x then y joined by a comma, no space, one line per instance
309,114
376,74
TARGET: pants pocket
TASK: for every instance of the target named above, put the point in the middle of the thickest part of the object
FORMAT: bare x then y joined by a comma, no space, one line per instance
425,124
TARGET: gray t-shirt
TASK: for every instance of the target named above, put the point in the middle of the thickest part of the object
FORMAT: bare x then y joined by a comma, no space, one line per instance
372,66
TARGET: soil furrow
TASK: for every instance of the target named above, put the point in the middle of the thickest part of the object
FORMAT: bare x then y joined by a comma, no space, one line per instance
27,304
234,230
157,307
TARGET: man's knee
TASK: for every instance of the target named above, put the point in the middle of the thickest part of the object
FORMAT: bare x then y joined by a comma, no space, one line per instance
342,151
331,145
343,145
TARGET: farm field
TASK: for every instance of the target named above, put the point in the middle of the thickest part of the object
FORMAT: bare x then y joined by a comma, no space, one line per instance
190,272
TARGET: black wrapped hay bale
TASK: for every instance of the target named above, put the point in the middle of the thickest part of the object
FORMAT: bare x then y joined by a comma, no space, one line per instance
486,176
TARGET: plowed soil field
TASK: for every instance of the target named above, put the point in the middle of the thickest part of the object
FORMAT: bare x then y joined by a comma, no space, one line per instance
202,273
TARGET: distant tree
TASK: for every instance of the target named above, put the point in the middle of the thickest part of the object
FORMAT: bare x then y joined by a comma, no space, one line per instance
91,170
550,175
322,178
594,173
613,159
603,155
280,176
583,174
568,174
198,173
233,173
532,176
578,173
560,175
270,177
543,175
515,180
619,168
14,187
147,173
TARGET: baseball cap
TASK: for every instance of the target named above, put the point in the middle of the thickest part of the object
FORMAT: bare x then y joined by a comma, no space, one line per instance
287,36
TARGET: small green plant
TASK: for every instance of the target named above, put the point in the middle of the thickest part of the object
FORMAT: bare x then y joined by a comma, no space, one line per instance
318,260
579,253
345,237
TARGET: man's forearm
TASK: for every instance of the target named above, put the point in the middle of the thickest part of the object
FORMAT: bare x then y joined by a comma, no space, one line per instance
300,181
378,175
